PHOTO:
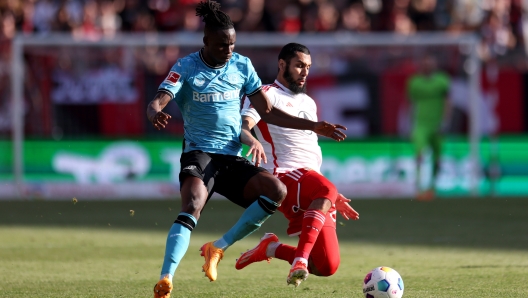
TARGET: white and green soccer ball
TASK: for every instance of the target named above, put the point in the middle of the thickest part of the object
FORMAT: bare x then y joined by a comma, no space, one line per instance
383,282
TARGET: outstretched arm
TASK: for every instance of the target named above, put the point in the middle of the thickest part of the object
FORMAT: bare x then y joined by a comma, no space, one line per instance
277,117
255,147
345,209
154,114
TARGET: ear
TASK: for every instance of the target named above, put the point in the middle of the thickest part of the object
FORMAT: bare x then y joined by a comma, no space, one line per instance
205,40
282,65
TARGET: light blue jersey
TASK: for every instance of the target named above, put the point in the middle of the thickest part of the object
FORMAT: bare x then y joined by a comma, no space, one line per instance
209,100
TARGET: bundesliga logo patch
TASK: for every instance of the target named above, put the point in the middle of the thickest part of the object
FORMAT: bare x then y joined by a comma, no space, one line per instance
172,78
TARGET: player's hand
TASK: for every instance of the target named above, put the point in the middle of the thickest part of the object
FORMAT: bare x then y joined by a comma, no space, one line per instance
345,209
330,130
257,152
160,120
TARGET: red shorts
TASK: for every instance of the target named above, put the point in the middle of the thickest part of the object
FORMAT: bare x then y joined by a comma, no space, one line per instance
304,186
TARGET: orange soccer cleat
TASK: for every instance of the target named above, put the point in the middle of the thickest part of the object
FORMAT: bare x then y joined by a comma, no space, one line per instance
212,256
258,253
163,288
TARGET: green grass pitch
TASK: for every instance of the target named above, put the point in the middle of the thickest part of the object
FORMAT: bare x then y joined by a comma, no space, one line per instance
446,248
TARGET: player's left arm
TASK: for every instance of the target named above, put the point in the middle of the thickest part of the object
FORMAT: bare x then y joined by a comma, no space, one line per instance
275,116
345,209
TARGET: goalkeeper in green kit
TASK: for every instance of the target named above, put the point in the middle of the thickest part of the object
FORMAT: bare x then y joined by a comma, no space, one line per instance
428,91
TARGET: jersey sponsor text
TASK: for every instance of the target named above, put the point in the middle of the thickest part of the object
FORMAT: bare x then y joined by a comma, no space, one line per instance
216,96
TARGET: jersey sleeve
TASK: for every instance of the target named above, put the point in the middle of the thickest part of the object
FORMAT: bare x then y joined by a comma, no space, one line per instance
249,110
174,80
253,83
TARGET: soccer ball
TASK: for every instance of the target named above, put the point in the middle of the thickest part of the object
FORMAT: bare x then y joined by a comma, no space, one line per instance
383,282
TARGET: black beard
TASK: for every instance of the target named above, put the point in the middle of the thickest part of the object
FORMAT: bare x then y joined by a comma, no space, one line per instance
292,84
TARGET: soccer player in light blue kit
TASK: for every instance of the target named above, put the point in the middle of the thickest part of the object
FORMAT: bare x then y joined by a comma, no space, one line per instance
208,86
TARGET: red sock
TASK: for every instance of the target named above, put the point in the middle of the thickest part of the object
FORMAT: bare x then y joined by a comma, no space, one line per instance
313,222
285,252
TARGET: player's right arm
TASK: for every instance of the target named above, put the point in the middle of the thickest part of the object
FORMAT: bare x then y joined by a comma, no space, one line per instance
154,110
250,118
167,91
255,147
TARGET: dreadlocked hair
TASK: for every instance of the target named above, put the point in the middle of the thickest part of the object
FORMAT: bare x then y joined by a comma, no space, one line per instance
212,16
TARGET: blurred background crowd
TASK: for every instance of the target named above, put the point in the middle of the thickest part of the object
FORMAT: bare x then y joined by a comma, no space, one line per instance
499,22
76,88
94,92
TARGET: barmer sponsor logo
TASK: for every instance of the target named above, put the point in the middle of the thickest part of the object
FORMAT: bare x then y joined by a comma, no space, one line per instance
216,96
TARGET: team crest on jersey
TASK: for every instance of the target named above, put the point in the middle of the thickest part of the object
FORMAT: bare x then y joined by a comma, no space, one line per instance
241,67
198,82
172,78
233,78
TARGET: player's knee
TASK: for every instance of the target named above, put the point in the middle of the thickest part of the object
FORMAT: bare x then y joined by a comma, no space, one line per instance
276,191
193,205
326,267
333,265
280,191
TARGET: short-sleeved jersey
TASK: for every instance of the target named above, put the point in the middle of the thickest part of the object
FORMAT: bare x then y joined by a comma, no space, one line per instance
287,149
209,100
428,95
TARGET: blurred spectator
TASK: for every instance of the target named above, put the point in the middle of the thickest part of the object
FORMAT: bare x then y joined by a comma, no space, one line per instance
327,17
191,23
7,25
44,15
108,17
501,23
27,25
291,22
255,10
90,27
355,18
422,14
497,35
110,22
403,24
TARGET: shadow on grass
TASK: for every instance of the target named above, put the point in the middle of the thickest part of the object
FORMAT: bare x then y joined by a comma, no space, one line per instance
472,223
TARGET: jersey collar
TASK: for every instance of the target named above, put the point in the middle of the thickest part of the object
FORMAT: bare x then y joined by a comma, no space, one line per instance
207,64
284,88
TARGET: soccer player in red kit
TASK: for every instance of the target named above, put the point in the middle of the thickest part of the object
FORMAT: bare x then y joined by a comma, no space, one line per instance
295,157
